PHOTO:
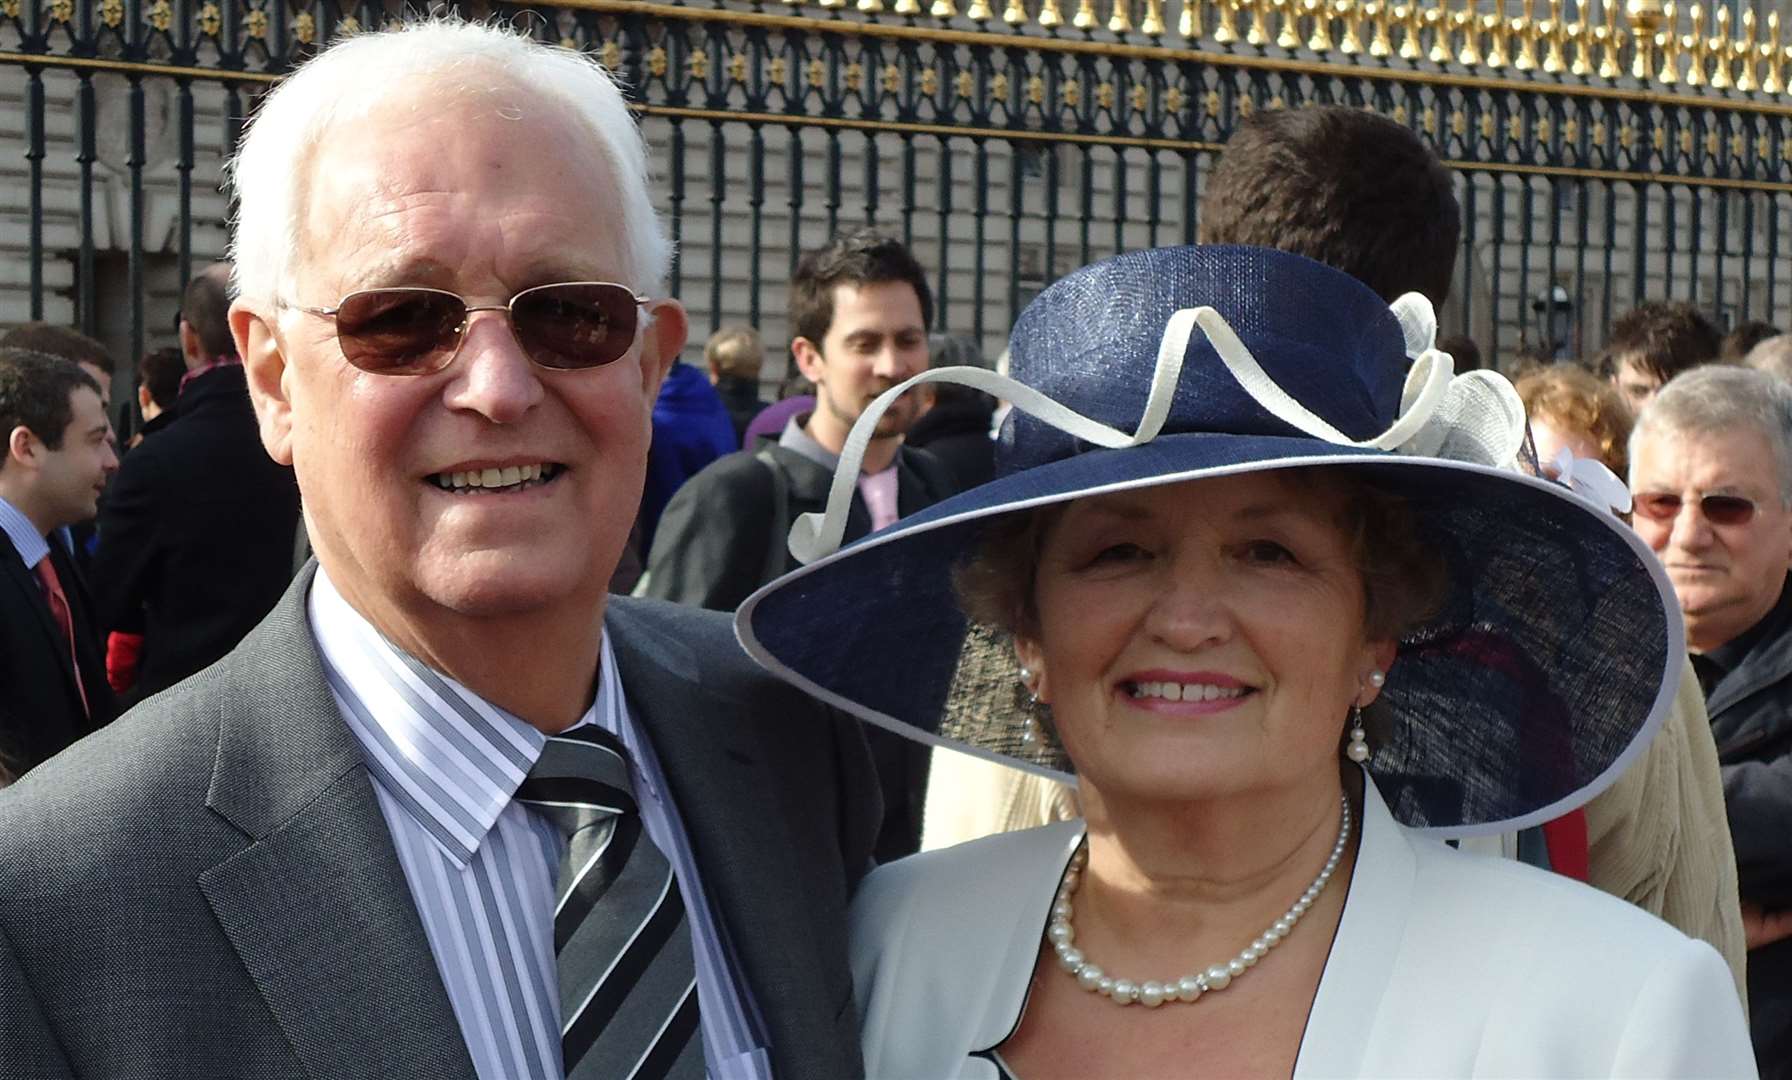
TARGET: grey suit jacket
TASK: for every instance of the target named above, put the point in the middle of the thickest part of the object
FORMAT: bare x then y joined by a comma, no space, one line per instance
207,888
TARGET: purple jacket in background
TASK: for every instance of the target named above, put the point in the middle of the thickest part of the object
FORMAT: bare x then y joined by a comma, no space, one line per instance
691,428
769,424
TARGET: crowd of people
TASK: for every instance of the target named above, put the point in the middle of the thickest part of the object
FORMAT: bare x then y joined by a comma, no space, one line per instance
443,679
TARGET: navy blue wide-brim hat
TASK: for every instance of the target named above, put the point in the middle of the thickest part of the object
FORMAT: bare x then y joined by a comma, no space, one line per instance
1545,672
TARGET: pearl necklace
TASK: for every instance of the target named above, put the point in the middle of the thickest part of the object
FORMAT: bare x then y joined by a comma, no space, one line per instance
1151,994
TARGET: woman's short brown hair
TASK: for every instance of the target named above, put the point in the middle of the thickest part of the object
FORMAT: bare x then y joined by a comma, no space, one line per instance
1403,578
1575,401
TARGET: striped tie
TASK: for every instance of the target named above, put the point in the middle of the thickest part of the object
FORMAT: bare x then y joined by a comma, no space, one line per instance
628,979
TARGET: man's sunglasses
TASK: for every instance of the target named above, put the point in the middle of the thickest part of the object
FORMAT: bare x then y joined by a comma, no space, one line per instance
417,331
1718,509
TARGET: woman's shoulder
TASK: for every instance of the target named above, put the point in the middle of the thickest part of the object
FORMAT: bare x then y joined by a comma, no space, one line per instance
1011,862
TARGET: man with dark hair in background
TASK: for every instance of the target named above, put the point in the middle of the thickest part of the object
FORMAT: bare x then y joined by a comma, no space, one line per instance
1653,342
196,533
1341,186
1742,339
96,361
159,375
859,311
56,457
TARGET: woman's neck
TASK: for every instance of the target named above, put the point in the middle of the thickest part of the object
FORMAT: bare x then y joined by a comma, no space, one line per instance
1221,868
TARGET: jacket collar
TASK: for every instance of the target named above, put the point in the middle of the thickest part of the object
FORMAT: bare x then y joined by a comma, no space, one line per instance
1766,659
315,903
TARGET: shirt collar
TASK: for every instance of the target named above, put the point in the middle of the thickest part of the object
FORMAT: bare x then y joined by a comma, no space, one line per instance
797,438
452,759
26,540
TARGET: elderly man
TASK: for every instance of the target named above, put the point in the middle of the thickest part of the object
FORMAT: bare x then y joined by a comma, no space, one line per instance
1711,471
445,813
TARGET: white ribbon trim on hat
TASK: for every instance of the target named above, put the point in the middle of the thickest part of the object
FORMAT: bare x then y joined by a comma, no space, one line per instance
1593,481
1433,408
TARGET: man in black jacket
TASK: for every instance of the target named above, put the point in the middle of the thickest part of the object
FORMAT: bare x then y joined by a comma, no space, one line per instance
56,457
196,533
859,309
1711,473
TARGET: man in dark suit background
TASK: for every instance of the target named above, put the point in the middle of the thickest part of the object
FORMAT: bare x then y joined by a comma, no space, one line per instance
445,812
196,532
57,456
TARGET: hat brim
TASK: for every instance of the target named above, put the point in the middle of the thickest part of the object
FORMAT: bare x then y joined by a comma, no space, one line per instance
1546,673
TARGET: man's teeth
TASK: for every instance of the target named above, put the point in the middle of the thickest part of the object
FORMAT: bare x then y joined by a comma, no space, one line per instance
1170,691
488,479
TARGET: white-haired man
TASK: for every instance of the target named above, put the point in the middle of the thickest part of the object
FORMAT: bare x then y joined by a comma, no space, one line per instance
1711,474
445,813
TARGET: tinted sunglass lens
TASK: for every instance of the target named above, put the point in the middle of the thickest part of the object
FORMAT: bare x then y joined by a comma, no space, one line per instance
1657,507
400,331
575,325
1727,509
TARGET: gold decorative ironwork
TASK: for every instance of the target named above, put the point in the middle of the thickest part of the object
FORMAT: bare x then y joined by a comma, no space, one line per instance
1139,98
1152,25
1645,21
1036,90
1627,136
965,84
1571,131
978,12
1611,40
698,65
1738,145
1173,100
1014,13
1104,96
1764,147
1555,33
855,77
1428,119
1051,16
1412,20
1381,41
930,82
1599,133
1210,103
777,71
569,43
1458,123
9,8
907,8
112,12
255,24
1321,41
892,78
656,61
1774,81
1495,25
1586,38
1470,25
1246,106
1257,33
1188,24
1745,50
871,7
1072,94
1400,115
1442,20
816,74
1287,23
1487,126
1720,51
1085,17
737,68
159,16
1515,127
1120,17
1524,28
998,88
1544,129
350,26
610,55
1349,44
943,9
1694,44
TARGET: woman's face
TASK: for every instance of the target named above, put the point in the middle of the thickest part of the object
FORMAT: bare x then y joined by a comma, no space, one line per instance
1202,639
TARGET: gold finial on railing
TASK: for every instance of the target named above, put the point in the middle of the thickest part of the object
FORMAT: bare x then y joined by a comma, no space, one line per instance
1441,21
1051,16
907,7
943,9
1611,39
1225,30
1720,51
1188,23
1085,17
1469,55
1745,50
1412,25
1551,33
1495,24
1525,29
1585,33
1014,13
980,11
1152,25
1120,17
1349,44
1774,81
1287,32
1321,41
1381,42
1693,43
871,7
1645,20
1257,33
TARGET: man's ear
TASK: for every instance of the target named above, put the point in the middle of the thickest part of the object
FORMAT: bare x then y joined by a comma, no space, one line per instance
190,349
23,447
668,327
808,359
264,363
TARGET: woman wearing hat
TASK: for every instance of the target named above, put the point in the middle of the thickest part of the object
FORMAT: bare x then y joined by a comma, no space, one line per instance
1286,612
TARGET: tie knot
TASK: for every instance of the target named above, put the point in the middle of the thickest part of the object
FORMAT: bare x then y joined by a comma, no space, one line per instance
581,779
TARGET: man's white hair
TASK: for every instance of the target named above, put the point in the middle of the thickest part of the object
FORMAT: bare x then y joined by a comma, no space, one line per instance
349,80
1717,400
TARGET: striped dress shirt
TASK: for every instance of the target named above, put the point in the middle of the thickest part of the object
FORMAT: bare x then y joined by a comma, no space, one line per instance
482,867
26,540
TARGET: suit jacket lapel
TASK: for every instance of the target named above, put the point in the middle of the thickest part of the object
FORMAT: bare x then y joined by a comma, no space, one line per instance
749,870
315,904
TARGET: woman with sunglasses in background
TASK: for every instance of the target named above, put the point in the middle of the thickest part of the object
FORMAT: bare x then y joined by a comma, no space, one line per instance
1287,614
1711,476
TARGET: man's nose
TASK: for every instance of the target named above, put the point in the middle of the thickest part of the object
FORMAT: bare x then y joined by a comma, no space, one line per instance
493,376
1691,531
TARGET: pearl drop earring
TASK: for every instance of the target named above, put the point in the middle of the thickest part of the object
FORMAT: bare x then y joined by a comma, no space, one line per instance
1358,749
1029,733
